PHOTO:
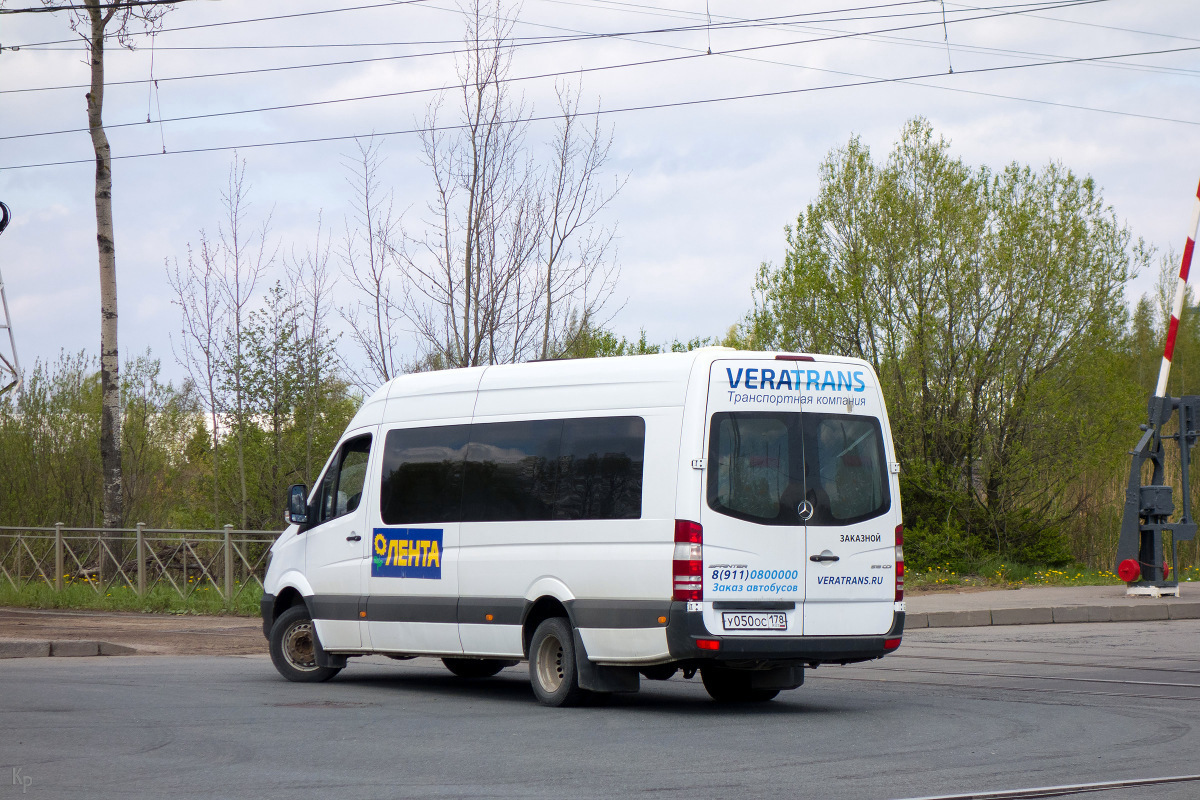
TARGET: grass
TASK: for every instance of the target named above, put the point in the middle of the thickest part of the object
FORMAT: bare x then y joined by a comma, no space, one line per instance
86,594
998,575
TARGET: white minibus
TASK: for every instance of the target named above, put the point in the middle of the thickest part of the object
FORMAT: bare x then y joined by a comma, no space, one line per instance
731,513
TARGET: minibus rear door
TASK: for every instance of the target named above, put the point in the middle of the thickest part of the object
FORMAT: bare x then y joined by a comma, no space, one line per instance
754,499
851,581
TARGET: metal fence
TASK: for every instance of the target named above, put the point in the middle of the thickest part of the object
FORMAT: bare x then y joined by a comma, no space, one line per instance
226,561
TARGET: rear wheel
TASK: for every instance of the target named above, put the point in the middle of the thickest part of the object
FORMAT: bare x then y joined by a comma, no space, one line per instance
475,667
733,686
294,645
553,670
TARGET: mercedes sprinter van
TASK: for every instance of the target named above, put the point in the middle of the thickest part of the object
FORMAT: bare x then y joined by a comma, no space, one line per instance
731,513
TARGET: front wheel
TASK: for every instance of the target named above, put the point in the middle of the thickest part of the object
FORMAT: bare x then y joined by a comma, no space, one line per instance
475,667
553,670
733,686
294,648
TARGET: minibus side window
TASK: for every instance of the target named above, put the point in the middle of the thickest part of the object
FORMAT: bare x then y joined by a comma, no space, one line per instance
510,471
600,468
422,476
342,486
530,470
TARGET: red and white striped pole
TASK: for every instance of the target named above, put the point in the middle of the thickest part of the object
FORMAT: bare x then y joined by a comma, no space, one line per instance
1177,306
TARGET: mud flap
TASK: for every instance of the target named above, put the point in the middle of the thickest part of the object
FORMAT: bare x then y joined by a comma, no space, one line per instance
778,678
324,659
600,677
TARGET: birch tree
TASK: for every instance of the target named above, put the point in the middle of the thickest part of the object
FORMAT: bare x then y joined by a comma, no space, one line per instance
97,22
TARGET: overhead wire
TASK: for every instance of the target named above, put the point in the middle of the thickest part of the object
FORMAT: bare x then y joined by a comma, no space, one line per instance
406,56
680,13
1117,28
692,54
563,73
627,109
273,18
730,23
908,42
80,7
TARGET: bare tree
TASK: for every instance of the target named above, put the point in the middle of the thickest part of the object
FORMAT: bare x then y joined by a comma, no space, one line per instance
311,283
368,255
202,308
578,278
96,22
480,230
245,255
512,257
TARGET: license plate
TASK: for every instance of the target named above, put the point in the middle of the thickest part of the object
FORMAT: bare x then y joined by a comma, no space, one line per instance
746,621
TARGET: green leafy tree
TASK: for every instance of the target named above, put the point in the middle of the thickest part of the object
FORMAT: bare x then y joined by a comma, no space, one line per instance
982,299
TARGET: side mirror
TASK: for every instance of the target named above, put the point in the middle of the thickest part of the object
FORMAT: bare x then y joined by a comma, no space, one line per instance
297,510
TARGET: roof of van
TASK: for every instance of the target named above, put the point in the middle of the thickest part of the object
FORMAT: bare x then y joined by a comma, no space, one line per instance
565,385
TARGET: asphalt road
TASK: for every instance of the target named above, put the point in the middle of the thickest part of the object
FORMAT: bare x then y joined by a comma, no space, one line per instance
955,710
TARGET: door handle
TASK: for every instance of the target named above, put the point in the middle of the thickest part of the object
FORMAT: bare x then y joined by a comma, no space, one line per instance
826,556
354,537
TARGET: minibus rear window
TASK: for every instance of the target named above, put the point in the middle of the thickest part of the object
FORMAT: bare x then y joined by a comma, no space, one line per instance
763,466
848,475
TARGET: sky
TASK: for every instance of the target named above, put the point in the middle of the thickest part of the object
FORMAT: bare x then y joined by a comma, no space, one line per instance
708,186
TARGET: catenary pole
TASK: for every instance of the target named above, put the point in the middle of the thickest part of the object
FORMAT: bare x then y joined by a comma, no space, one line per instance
15,366
1177,306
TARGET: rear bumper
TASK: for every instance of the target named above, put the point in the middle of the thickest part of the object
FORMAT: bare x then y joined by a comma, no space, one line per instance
685,627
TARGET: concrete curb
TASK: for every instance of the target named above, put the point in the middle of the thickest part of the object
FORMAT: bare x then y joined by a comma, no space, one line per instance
1044,615
64,648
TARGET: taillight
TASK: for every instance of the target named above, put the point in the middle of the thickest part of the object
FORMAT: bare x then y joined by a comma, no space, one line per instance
688,563
899,563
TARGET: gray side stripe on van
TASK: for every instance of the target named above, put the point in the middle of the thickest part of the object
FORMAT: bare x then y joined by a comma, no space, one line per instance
412,609
619,613
504,610
334,606
473,610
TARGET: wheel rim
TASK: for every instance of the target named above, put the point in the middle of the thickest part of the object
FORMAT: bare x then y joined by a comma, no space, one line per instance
299,647
550,664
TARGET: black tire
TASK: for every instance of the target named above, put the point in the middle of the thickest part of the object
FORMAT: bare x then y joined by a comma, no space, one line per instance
733,686
553,672
475,667
294,648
